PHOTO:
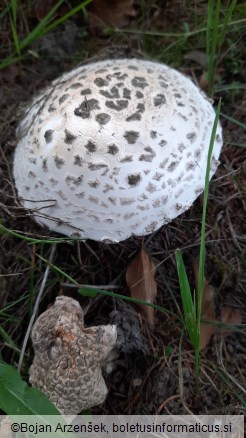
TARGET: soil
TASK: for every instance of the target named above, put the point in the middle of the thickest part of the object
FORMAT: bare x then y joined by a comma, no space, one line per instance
154,372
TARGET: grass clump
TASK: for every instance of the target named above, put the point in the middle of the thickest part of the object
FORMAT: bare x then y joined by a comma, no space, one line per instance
215,36
192,304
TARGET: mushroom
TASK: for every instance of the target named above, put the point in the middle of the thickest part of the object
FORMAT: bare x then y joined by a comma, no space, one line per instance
113,149
68,357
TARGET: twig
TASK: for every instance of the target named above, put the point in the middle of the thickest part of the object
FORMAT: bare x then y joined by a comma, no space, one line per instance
35,310
89,286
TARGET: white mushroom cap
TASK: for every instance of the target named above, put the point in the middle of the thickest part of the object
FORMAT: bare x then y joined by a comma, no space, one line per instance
114,148
68,357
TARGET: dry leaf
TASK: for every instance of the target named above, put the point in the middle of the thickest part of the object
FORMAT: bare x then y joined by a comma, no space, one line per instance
203,82
140,277
208,311
110,12
229,315
208,314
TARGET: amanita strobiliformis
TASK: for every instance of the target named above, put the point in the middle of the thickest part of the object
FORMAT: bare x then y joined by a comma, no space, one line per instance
68,357
113,149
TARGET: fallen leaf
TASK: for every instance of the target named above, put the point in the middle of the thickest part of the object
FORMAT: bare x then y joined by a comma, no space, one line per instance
208,311
229,315
140,278
203,82
116,13
208,314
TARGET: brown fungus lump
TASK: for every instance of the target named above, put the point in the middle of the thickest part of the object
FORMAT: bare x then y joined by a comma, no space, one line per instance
68,357
114,148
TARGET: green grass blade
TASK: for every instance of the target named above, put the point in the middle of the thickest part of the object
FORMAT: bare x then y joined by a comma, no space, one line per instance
231,119
187,301
189,34
212,40
7,339
235,86
238,145
225,24
4,11
39,29
209,27
69,14
45,24
14,10
192,312
203,230
31,240
15,37
215,36
12,19
9,61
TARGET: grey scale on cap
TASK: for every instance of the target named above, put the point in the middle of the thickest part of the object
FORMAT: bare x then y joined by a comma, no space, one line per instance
113,149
